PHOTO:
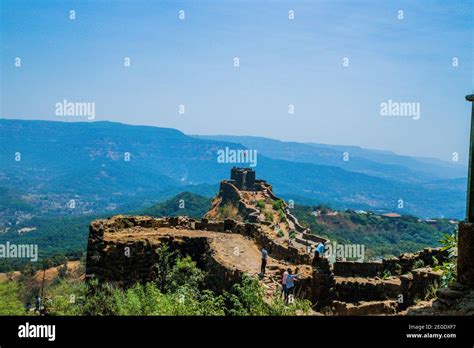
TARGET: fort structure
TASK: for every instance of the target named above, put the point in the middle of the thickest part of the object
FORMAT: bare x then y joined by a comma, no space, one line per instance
122,250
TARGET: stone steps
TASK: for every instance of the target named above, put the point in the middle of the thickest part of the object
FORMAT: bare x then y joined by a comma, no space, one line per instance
270,283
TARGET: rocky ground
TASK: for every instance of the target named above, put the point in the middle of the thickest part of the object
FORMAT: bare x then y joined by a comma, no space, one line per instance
449,301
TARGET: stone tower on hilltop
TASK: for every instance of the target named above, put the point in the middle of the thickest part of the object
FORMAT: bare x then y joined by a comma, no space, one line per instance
243,178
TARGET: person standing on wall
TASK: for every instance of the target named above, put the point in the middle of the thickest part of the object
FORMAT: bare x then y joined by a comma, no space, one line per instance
318,253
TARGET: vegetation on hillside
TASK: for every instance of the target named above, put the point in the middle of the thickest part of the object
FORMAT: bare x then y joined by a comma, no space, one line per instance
381,236
10,303
228,211
54,236
57,237
178,290
185,203
449,242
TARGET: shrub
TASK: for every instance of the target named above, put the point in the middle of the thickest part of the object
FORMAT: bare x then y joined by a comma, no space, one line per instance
268,215
185,273
386,274
182,296
278,204
418,264
281,215
228,211
67,298
163,268
448,267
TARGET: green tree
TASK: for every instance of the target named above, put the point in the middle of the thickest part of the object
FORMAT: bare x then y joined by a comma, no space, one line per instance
278,204
163,267
185,273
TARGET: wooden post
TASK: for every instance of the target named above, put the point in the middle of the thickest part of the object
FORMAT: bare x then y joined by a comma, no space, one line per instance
470,178
465,260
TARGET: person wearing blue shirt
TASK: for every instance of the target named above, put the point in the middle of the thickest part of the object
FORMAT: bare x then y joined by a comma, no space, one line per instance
290,284
318,252
320,249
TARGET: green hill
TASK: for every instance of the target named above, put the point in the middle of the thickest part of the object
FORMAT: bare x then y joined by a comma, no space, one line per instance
185,203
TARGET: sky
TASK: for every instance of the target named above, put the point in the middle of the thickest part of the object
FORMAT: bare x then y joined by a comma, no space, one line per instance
405,57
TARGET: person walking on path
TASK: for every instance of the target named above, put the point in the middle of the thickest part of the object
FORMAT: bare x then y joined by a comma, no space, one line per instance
283,284
264,261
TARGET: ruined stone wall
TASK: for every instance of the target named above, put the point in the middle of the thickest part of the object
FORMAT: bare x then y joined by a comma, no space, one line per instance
322,285
315,238
398,265
365,289
357,269
344,288
290,216
360,283
229,194
405,262
108,260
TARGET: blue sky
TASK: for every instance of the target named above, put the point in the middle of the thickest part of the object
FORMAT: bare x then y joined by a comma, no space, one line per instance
282,62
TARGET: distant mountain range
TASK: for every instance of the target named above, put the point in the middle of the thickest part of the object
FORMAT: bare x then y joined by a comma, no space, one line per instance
384,164
87,163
